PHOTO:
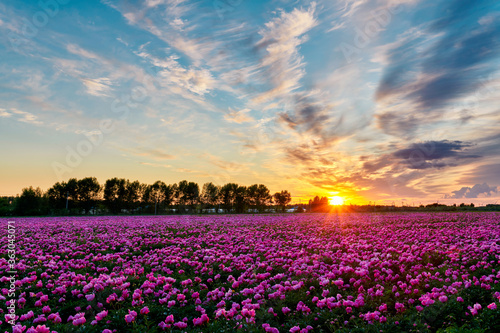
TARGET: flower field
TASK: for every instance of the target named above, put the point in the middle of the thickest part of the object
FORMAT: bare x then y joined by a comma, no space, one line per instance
415,272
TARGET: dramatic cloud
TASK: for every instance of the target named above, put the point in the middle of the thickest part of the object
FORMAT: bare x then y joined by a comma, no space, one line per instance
425,155
476,191
431,154
442,63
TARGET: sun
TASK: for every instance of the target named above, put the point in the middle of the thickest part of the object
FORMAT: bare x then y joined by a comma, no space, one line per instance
336,201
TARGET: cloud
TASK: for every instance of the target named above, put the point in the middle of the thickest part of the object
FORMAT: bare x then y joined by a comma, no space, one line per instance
152,18
430,154
152,153
77,50
476,191
238,117
98,87
26,117
313,119
156,165
281,39
232,167
197,81
441,64
4,114
424,155
489,172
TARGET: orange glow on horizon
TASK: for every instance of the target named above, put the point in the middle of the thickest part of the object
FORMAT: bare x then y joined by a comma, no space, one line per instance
336,201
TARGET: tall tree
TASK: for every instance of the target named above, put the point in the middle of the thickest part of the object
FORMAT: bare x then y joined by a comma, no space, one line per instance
133,194
282,199
258,196
188,194
154,196
170,194
89,192
58,195
228,196
210,195
240,199
72,193
115,191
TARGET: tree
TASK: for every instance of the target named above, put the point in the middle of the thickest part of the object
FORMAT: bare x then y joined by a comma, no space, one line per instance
72,193
133,194
240,199
6,205
228,196
282,199
258,196
154,196
58,195
210,195
170,194
319,204
264,197
88,191
31,202
115,191
188,194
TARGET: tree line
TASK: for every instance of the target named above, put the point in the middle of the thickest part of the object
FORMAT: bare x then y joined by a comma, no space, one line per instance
119,195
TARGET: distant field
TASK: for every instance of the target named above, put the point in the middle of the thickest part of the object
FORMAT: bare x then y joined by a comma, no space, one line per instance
413,272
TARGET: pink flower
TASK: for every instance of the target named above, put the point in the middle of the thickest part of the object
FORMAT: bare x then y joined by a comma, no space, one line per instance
443,299
180,325
18,328
399,307
130,317
169,319
90,297
101,315
144,310
295,329
79,321
200,321
42,329
492,306
285,310
460,299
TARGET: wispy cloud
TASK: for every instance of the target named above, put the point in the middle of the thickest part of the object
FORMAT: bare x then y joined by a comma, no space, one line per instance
25,117
280,42
98,87
238,117
4,113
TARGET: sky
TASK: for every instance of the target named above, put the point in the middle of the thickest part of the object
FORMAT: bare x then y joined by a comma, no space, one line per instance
381,101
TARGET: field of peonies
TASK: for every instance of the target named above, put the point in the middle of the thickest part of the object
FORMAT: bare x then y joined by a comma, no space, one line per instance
415,272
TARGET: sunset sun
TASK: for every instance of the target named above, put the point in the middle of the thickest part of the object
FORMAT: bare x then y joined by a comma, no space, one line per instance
336,201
